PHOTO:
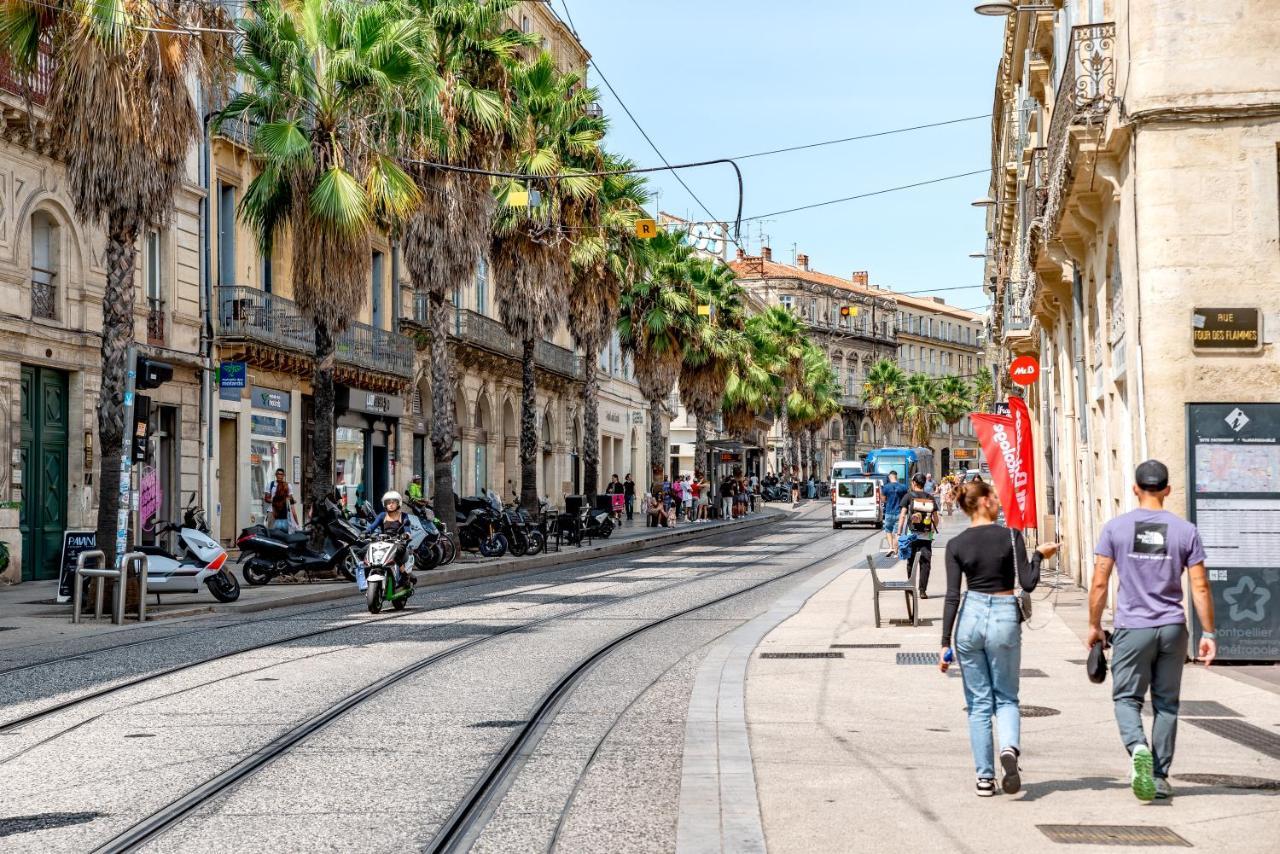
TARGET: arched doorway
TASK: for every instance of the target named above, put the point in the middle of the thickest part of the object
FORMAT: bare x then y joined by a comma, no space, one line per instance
510,448
946,461
480,456
550,488
575,458
634,458
460,419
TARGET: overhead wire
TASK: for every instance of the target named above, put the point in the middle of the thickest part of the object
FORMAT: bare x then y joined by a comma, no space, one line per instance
772,214
842,140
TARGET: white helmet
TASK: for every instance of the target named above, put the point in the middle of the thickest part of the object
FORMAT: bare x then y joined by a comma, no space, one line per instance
391,496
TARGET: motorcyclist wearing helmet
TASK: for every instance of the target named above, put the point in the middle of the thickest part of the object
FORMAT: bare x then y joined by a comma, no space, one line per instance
394,521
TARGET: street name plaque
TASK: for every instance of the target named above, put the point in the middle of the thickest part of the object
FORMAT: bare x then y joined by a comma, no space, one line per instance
1226,329
1233,466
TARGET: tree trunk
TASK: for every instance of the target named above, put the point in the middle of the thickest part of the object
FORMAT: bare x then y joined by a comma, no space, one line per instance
443,425
788,442
657,442
591,423
117,337
700,447
812,443
529,430
322,393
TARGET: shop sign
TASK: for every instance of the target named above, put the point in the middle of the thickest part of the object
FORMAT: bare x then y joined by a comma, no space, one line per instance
637,418
613,417
376,404
965,453
1226,329
269,398
232,374
149,495
727,457
265,425
73,544
1024,370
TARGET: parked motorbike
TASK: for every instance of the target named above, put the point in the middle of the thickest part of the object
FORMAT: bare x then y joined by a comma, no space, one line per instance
442,544
478,527
272,553
522,537
775,492
386,583
585,524
200,561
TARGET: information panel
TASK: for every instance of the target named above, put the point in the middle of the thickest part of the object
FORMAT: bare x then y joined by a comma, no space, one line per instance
1234,466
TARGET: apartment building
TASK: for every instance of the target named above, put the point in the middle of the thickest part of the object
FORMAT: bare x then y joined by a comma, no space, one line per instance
1132,234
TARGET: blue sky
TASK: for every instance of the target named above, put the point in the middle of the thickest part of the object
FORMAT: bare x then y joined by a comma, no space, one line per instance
719,78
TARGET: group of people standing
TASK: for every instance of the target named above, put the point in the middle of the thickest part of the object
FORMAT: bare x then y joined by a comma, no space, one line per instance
693,498
1150,548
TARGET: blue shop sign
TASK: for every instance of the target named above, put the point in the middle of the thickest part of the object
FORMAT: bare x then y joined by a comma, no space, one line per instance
233,374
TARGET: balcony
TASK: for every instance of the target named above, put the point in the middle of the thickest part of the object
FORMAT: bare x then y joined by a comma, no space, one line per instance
34,85
851,401
486,333
44,294
155,321
1084,96
881,330
254,316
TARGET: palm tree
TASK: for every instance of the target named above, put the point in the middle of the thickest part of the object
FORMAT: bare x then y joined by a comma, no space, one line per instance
321,73
712,347
882,395
459,116
121,113
554,133
788,347
653,318
603,258
813,402
955,401
920,408
984,392
752,389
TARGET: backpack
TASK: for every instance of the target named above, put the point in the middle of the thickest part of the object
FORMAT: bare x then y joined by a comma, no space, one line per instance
920,510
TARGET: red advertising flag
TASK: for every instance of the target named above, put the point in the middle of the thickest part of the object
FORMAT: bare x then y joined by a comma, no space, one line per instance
995,434
1024,482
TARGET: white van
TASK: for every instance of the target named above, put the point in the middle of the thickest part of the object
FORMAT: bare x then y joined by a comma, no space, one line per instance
855,499
844,469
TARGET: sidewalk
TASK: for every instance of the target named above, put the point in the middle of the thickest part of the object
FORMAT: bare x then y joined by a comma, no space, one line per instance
30,614
863,753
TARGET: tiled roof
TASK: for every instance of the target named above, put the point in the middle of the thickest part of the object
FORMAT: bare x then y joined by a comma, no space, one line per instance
756,267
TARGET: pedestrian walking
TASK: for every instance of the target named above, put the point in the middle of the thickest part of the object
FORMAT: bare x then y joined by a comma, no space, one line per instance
614,487
695,488
629,494
283,505
919,514
1150,548
704,499
892,494
990,559
947,494
929,485
686,498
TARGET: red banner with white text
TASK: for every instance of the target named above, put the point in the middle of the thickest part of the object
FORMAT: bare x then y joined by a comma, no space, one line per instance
995,434
1024,481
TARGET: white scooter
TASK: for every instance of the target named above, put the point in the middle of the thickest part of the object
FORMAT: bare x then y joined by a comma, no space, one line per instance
202,562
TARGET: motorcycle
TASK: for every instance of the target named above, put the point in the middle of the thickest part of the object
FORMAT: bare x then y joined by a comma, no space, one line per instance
385,582
201,561
775,492
272,552
587,523
443,544
522,537
478,528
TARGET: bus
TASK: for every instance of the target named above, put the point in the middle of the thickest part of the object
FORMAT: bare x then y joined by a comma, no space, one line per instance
905,461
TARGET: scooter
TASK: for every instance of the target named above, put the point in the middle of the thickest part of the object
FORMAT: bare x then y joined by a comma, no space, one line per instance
273,553
201,561
386,584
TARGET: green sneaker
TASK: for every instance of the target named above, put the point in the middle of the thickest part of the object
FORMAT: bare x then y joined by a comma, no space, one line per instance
1141,776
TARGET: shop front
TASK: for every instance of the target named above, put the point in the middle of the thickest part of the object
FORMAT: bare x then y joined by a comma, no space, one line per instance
364,444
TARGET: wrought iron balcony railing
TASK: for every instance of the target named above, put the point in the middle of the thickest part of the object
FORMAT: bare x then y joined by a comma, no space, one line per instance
1085,93
35,84
487,333
44,293
155,321
250,314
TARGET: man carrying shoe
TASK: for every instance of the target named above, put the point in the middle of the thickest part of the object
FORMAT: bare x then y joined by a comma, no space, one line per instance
1150,547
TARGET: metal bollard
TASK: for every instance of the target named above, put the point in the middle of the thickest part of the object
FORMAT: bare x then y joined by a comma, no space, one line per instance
99,574
137,561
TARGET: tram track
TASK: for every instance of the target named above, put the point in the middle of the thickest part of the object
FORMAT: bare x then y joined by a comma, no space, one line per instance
176,811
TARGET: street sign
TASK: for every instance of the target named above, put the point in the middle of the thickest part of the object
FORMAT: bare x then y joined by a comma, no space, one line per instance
73,544
1024,370
646,229
233,374
1226,329
848,311
704,311
518,199
1233,457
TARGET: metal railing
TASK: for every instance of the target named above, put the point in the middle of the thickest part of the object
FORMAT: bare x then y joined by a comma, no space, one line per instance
251,314
44,293
155,321
100,573
882,330
35,84
480,330
1084,95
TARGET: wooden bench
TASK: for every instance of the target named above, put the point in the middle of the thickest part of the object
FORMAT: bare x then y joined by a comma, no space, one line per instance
909,589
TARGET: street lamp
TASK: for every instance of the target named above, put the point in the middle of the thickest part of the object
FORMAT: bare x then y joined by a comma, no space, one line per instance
984,202
1005,8
977,255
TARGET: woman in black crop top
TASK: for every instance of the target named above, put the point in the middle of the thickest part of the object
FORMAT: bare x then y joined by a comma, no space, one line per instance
988,637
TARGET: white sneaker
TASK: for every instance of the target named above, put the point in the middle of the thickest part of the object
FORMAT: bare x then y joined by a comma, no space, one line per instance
1141,779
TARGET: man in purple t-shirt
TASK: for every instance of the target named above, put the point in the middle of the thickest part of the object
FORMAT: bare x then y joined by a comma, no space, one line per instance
1149,548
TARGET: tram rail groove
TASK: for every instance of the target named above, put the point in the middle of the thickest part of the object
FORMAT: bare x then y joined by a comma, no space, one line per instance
175,812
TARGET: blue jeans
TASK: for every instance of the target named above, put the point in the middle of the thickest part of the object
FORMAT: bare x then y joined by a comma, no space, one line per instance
280,525
988,643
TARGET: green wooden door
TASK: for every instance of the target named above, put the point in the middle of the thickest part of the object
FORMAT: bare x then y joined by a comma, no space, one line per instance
43,517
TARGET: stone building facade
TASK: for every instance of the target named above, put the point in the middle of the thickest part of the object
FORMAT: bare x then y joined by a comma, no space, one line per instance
1135,168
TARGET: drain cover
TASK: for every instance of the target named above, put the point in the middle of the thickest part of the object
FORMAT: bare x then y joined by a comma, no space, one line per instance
866,645
902,621
918,658
1039,712
1205,709
1032,673
141,735
1242,733
496,724
1111,834
802,655
1231,781
43,821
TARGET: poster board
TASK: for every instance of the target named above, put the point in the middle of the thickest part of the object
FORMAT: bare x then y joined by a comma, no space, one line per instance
74,543
1233,464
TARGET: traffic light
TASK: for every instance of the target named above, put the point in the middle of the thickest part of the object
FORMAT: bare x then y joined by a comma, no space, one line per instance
152,374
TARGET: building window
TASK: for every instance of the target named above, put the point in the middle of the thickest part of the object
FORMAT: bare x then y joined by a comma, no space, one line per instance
153,273
226,234
45,257
376,285
268,274
788,301
526,26
482,286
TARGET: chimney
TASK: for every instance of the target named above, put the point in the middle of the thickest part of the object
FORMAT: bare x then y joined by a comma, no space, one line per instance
766,253
861,278
802,261
742,253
